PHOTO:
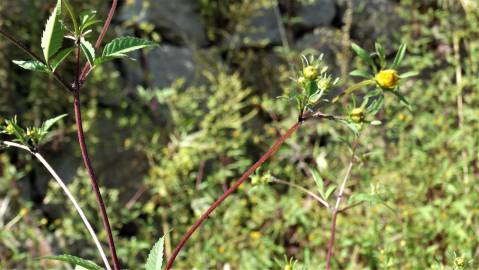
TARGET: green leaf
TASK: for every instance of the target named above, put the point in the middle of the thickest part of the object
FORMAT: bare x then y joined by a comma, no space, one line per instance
399,56
72,13
409,74
33,65
75,261
352,126
360,73
402,99
119,47
52,38
60,57
88,51
87,19
376,105
50,122
381,54
155,258
329,191
319,181
363,54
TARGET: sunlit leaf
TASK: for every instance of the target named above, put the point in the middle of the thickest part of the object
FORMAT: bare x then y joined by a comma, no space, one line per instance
52,38
399,56
75,261
88,51
32,65
155,258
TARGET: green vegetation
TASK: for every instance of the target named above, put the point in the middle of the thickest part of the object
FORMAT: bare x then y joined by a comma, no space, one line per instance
396,139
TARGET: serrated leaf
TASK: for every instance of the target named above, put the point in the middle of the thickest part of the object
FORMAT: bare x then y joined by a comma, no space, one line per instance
72,13
75,261
155,258
124,45
32,65
399,56
363,54
60,57
318,180
119,47
52,37
87,19
88,51
360,73
50,122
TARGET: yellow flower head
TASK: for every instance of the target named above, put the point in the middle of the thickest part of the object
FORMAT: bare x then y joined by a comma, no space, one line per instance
310,72
459,261
387,78
357,115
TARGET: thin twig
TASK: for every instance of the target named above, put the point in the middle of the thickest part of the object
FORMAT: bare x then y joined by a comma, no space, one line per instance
336,207
232,189
235,186
312,194
24,48
69,195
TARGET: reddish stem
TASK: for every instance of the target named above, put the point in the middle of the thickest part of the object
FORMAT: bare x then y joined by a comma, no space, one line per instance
87,68
79,79
331,240
232,189
93,180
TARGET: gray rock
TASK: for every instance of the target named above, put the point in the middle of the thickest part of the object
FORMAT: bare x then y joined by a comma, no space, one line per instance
165,65
376,20
262,29
178,20
326,41
317,13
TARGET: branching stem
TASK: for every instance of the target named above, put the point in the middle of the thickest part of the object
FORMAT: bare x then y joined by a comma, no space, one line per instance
336,209
24,48
65,189
244,177
304,190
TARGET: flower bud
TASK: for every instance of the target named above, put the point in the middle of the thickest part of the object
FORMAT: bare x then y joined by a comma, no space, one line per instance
357,115
10,129
387,78
301,80
310,72
459,262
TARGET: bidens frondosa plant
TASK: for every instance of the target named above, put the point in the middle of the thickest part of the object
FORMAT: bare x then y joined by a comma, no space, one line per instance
312,98
63,35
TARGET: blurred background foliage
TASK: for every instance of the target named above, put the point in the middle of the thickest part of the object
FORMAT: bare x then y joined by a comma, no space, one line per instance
171,131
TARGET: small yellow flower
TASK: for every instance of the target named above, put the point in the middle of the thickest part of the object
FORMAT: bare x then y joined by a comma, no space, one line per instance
255,235
310,72
387,78
288,267
459,261
23,212
357,115
221,250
